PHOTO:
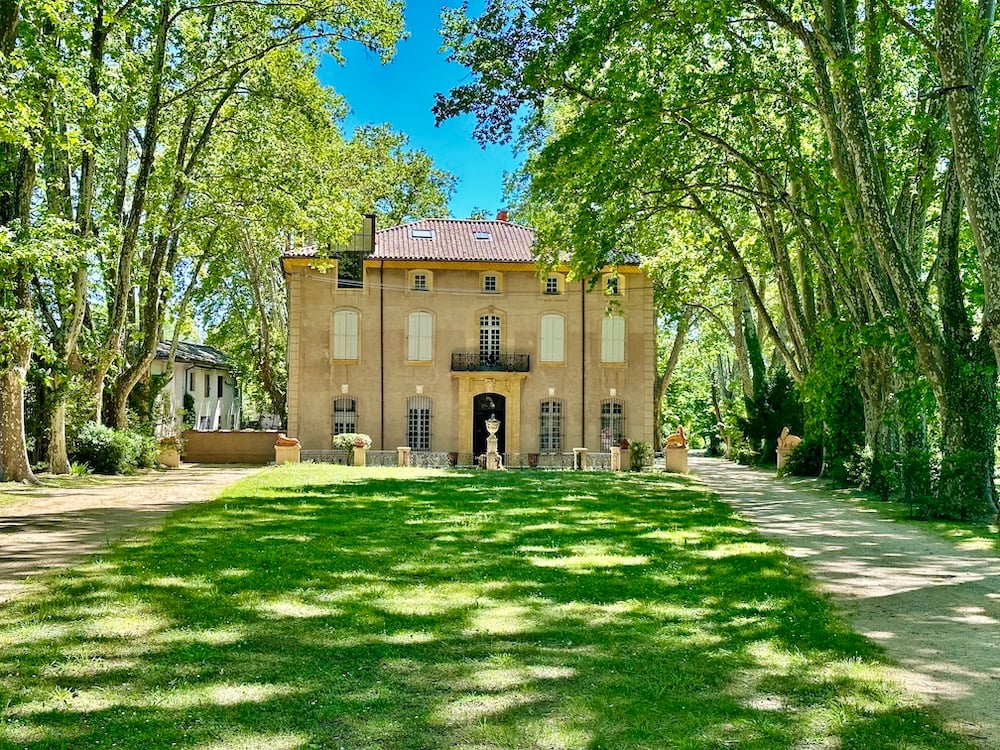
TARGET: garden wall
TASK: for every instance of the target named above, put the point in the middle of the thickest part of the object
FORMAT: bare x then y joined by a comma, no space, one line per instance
230,447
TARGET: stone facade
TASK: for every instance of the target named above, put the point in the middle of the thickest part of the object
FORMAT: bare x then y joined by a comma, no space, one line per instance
449,322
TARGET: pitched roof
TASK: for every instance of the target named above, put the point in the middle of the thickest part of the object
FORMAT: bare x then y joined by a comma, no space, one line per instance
471,240
194,354
456,240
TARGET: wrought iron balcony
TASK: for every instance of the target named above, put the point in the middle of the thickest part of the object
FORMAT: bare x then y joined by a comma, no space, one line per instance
502,362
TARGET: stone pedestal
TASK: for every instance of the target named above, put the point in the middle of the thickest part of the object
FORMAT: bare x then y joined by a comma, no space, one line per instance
403,456
169,457
492,455
676,460
616,458
580,459
360,455
287,454
783,454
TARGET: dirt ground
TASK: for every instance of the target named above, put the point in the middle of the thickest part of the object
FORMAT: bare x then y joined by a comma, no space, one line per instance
933,605
47,527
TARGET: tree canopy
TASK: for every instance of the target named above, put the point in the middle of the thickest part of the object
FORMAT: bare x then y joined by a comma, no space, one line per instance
834,161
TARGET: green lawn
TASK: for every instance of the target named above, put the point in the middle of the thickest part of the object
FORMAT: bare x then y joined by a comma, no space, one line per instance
329,607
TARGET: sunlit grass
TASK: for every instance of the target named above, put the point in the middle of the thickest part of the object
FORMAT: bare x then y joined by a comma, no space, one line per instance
330,607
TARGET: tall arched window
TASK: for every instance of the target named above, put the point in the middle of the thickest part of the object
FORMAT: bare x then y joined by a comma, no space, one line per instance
345,334
550,427
420,337
345,415
418,423
613,339
612,423
552,347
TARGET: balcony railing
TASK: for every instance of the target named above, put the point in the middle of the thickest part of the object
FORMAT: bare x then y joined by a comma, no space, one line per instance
502,362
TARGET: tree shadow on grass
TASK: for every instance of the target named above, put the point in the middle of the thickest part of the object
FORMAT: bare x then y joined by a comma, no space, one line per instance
327,609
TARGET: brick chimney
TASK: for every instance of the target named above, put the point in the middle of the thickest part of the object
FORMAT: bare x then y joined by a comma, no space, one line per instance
502,214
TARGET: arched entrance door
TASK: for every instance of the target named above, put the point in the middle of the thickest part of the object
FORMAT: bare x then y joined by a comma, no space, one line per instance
484,406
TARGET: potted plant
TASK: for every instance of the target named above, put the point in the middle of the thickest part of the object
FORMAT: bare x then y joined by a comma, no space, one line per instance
170,449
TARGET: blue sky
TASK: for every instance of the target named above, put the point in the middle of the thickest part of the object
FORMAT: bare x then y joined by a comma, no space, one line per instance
402,94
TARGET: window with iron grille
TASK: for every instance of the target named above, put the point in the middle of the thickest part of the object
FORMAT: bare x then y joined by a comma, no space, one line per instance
552,285
612,423
550,427
418,423
490,283
345,415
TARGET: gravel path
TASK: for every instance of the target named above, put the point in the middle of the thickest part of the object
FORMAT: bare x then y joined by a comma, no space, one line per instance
48,527
933,606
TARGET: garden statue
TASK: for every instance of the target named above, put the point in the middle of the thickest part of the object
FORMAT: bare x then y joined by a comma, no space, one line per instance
675,452
677,440
287,450
787,441
786,444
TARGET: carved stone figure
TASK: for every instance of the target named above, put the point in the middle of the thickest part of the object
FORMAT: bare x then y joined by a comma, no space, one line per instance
677,440
787,441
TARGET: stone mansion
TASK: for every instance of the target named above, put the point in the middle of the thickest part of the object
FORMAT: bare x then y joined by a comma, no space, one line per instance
423,331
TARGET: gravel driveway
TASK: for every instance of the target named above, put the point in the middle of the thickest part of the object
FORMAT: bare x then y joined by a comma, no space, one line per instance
933,606
48,527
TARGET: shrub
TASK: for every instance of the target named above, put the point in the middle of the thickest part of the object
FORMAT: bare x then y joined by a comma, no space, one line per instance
346,441
805,460
641,456
171,442
109,451
959,492
874,471
744,453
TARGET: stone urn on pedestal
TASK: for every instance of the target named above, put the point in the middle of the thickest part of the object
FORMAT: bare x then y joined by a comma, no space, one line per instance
493,460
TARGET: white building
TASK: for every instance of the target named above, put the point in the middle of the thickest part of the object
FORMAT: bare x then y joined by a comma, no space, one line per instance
203,376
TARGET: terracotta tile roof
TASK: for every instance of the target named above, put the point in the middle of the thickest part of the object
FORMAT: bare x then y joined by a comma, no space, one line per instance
453,240
456,240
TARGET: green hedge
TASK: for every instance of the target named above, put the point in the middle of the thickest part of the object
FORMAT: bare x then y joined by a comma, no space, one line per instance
109,451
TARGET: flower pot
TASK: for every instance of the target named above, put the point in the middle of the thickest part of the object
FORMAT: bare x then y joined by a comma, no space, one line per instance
169,457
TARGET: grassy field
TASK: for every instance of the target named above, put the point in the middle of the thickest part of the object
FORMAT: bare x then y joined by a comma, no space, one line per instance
325,607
